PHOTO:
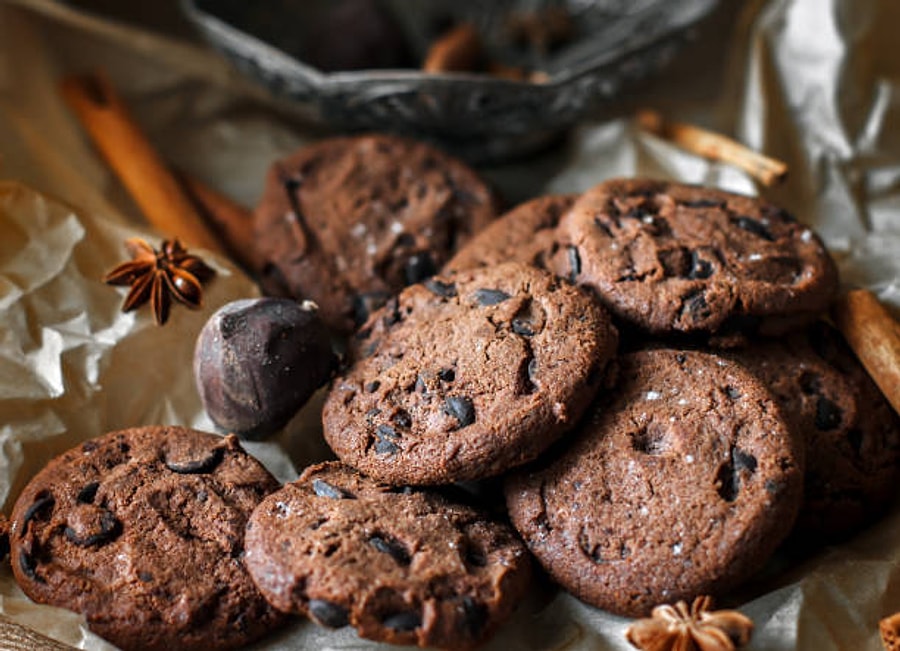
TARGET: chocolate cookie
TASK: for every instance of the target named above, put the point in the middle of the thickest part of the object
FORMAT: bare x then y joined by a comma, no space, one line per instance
142,531
349,221
527,233
401,566
679,484
674,258
467,375
852,435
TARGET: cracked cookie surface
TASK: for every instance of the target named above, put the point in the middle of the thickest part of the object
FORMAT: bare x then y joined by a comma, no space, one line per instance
142,531
349,221
681,482
400,565
467,375
673,258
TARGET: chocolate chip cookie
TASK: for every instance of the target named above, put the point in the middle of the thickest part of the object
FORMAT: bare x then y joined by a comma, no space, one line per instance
680,483
142,531
674,258
527,233
349,221
852,435
467,375
399,565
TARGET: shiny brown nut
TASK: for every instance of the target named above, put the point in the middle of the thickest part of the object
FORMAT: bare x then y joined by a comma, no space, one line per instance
258,361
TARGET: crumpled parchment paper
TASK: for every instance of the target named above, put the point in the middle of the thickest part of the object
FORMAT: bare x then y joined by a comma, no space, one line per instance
814,82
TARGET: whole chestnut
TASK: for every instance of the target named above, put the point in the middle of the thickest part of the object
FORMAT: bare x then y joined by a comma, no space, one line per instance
258,361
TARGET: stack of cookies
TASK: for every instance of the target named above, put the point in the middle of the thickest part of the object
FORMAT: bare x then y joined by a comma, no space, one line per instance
644,367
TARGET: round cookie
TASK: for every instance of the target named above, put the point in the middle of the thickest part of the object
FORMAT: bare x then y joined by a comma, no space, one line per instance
679,484
674,258
467,375
142,531
527,233
349,221
852,435
401,566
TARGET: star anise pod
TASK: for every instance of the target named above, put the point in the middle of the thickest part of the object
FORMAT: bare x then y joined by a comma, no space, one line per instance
677,628
160,275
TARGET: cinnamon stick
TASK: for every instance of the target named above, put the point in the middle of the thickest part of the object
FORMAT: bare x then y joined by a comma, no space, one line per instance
459,50
715,146
129,153
874,335
233,222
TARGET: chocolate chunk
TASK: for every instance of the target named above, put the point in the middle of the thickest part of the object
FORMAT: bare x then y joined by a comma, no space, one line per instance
367,302
490,296
522,327
574,262
447,375
29,566
753,226
696,306
394,548
828,414
418,268
732,393
402,419
446,290
475,616
461,408
87,494
700,269
372,387
328,613
402,621
109,529
201,466
323,489
43,503
743,460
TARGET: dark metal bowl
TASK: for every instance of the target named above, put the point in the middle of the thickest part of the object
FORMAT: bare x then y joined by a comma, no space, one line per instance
478,116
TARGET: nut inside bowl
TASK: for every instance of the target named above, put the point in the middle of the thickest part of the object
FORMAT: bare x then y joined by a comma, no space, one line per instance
319,53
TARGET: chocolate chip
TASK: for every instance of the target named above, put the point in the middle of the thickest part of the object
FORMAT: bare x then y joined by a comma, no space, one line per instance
402,622
461,408
29,566
522,327
402,419
732,393
384,444
323,489
372,387
532,370
446,290
447,375
198,466
419,267
43,503
574,262
328,614
753,226
364,304
475,616
743,460
386,431
700,269
696,306
392,310
490,296
146,577
828,414
391,547
87,494
109,529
